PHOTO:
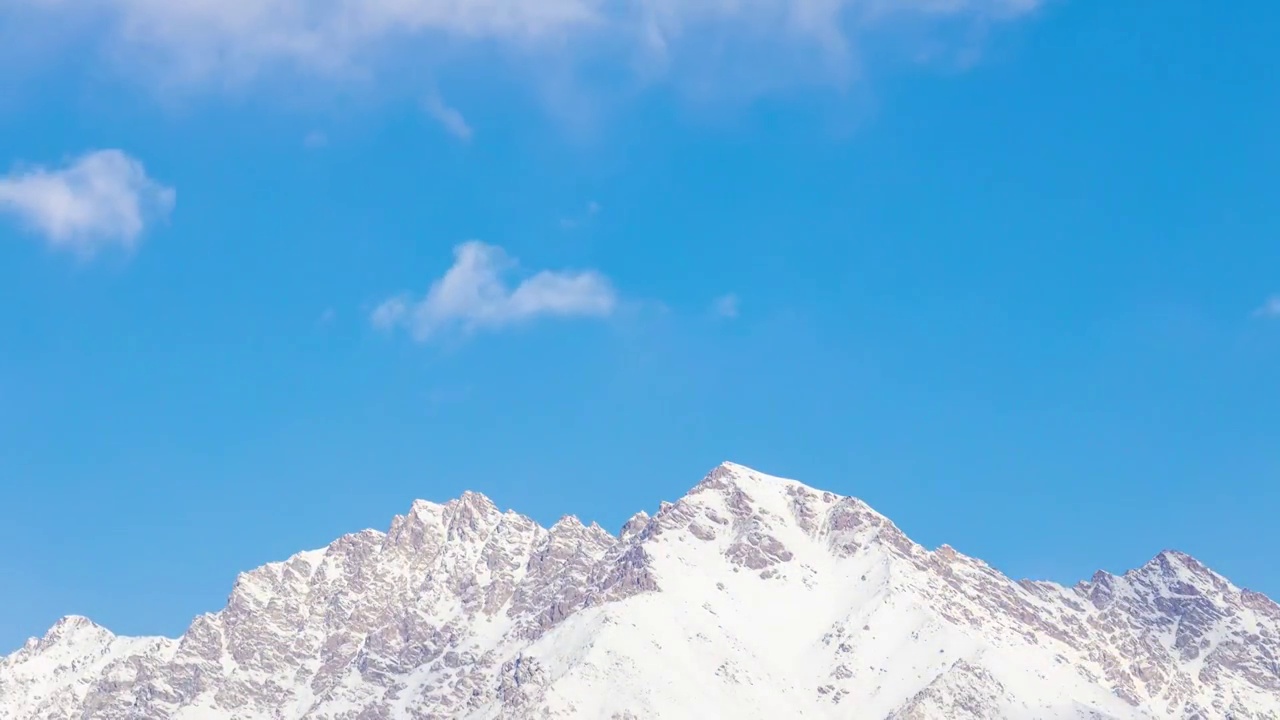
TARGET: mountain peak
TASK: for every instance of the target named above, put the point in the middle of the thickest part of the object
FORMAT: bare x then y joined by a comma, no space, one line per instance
1174,564
736,471
74,626
634,525
730,474
752,596
470,498
74,622
425,507
568,523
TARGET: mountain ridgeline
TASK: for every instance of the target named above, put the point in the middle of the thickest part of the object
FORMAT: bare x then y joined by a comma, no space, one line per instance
750,597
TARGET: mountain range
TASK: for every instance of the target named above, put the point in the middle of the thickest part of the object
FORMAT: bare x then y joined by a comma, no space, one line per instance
750,597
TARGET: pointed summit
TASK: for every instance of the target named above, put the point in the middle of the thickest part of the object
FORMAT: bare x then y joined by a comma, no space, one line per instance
730,473
568,523
1181,573
634,525
72,636
472,499
72,627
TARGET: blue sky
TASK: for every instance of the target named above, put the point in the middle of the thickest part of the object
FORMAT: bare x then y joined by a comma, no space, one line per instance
1004,269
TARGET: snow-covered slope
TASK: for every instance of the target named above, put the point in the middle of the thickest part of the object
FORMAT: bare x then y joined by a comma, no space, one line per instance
751,597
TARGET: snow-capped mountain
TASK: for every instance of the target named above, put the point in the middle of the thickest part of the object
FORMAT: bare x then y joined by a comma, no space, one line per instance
751,597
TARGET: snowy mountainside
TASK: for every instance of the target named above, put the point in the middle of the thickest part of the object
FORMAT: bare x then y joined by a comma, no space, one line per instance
750,597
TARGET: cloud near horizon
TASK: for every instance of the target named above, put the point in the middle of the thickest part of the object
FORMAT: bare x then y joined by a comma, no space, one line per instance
726,306
1269,308
474,294
101,199
216,42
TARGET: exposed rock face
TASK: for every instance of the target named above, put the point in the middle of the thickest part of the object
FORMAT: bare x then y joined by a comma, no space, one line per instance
751,597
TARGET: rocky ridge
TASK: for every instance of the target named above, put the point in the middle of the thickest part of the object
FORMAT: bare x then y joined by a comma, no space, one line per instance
750,597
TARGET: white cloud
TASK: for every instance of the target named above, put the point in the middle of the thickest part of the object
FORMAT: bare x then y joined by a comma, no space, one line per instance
102,199
448,117
726,306
219,40
474,294
1270,308
390,312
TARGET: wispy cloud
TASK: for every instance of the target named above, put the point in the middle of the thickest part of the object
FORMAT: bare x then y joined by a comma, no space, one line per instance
726,306
448,117
101,199
391,312
475,294
199,42
592,209
1269,309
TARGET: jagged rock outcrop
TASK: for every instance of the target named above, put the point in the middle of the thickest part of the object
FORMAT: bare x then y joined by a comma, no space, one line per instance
751,597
